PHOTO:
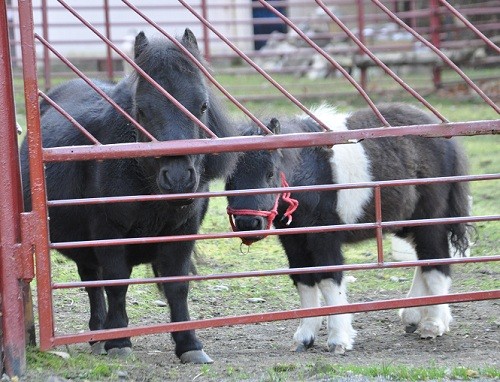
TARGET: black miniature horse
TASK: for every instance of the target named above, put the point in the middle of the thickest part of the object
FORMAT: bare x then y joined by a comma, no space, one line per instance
177,74
369,160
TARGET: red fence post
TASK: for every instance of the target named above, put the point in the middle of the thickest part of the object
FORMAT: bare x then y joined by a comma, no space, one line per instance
435,21
361,37
46,54
11,287
39,231
109,56
205,32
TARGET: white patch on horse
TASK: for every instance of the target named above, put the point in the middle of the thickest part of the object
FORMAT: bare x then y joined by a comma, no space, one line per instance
309,326
350,164
437,318
340,331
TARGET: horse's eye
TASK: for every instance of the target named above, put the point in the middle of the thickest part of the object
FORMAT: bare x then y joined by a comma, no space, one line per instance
270,175
204,107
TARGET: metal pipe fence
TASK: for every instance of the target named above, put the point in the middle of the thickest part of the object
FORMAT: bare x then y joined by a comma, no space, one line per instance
436,22
21,233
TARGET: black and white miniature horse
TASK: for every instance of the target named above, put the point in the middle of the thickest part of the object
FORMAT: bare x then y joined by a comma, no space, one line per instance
375,159
178,75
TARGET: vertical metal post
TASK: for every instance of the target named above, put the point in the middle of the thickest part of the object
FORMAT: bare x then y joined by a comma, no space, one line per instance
361,37
206,34
413,8
11,287
378,220
109,53
435,21
46,54
37,176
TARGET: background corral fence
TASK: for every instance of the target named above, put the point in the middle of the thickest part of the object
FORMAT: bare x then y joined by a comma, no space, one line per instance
323,41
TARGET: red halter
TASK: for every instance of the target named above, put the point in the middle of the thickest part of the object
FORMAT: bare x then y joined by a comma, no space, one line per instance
269,215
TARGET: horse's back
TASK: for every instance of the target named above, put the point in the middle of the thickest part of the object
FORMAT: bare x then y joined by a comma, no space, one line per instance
407,156
396,114
75,95
402,157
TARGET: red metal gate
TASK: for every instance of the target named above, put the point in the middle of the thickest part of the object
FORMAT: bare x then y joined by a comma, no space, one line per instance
26,234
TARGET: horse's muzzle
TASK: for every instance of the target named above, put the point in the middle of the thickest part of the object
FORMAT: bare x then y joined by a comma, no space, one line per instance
181,202
177,181
250,223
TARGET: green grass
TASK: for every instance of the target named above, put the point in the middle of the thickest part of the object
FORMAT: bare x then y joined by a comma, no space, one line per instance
77,367
319,371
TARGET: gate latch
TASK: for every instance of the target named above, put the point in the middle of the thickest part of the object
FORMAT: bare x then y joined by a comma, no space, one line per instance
24,252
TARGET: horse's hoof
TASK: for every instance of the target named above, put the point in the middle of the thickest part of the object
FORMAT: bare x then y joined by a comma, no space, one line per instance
337,349
432,329
299,348
195,356
411,328
119,352
97,348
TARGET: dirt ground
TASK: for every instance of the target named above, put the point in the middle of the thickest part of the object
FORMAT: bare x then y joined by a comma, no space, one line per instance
249,352
252,350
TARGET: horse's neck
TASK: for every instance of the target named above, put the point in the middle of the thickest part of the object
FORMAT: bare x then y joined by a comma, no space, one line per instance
124,92
222,164
114,127
290,164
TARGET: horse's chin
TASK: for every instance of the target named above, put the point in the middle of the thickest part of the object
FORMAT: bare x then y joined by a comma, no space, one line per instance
181,202
249,240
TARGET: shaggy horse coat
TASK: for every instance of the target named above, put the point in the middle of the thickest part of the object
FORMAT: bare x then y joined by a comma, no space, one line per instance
372,159
178,75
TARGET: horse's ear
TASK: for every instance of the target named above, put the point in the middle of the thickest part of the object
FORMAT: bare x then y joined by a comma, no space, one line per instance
275,126
141,42
189,39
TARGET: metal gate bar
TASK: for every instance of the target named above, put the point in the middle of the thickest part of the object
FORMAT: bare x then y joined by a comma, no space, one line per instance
99,335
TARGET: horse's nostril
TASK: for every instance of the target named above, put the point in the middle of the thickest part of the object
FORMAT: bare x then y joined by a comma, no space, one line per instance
191,175
164,180
248,223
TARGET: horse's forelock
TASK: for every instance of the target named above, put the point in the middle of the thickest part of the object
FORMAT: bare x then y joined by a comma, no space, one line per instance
162,54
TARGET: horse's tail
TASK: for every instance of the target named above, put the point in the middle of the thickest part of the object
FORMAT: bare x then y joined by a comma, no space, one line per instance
459,206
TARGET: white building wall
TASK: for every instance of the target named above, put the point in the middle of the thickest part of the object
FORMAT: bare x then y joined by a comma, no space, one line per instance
67,34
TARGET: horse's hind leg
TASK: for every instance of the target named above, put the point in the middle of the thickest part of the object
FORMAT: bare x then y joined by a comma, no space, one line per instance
97,302
431,321
437,318
411,317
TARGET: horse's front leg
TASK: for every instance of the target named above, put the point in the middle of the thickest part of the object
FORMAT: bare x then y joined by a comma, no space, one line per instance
309,326
340,331
92,272
115,266
325,249
309,295
175,260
